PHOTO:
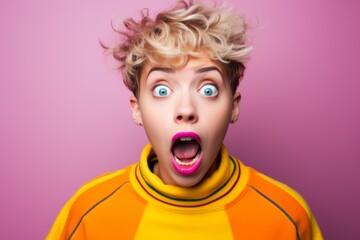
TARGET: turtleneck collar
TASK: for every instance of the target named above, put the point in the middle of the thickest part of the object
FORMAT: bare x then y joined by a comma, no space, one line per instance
215,187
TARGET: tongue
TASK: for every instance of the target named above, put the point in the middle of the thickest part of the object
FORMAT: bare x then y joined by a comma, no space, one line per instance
184,150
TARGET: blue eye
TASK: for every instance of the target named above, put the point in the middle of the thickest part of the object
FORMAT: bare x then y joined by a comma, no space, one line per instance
208,90
161,91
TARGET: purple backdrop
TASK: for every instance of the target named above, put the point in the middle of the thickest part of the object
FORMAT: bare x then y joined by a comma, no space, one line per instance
65,116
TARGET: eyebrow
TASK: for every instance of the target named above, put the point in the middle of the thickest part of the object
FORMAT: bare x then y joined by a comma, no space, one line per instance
161,69
171,70
208,69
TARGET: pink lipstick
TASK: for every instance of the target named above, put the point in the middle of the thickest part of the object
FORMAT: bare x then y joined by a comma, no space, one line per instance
186,151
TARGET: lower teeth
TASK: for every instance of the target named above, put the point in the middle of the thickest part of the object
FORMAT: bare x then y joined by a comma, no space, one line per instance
186,163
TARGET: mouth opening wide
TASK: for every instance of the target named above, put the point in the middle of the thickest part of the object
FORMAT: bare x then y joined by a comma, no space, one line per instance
186,149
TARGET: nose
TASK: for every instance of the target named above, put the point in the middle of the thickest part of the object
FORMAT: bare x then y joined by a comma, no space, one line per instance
185,110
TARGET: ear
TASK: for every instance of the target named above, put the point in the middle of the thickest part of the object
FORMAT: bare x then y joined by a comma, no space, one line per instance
235,110
136,112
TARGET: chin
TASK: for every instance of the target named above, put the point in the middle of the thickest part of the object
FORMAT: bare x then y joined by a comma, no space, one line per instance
187,181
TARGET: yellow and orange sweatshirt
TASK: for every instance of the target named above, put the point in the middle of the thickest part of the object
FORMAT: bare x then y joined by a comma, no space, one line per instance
236,202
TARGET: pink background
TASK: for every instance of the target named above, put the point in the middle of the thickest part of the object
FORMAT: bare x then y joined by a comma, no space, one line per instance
65,116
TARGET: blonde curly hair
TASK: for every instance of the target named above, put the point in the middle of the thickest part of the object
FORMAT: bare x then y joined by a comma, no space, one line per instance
187,30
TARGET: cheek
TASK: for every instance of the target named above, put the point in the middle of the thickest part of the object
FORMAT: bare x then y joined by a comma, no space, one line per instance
217,120
218,113
155,125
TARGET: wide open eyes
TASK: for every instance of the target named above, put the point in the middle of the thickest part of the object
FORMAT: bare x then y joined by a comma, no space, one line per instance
208,90
161,91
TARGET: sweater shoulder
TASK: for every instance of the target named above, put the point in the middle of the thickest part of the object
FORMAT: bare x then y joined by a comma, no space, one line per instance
86,198
288,203
101,186
277,191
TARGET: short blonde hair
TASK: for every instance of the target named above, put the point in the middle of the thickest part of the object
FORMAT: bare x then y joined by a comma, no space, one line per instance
186,30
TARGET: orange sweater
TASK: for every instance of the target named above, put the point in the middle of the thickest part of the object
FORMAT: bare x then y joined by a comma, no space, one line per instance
236,202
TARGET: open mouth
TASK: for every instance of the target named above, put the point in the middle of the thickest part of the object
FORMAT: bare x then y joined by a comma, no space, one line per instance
186,152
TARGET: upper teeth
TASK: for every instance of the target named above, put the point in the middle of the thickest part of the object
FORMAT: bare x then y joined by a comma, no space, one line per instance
185,139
